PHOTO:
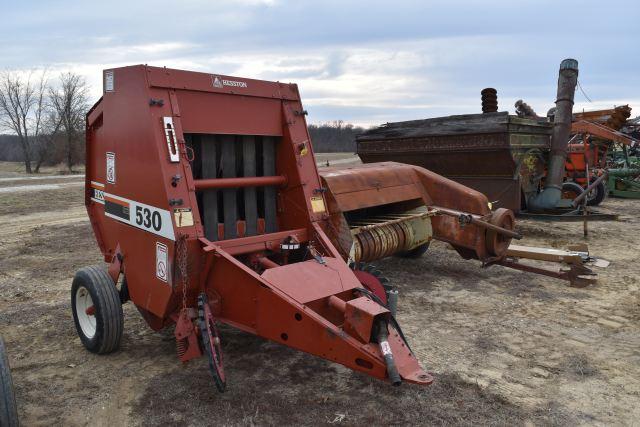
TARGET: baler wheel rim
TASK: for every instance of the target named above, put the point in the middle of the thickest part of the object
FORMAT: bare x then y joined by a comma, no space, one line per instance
211,343
84,304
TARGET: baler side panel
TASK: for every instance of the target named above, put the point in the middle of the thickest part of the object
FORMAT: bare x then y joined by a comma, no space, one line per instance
133,132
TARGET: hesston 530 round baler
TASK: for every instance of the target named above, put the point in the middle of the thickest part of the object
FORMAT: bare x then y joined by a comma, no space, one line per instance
206,202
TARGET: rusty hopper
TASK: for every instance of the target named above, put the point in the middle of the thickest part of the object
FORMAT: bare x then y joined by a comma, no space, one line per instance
498,154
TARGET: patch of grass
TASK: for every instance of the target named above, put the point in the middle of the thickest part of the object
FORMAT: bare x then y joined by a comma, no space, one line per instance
579,365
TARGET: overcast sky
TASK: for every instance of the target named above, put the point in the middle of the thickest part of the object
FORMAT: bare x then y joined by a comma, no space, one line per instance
365,62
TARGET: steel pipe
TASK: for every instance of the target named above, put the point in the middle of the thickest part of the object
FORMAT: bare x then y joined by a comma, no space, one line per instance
471,219
591,186
552,192
252,181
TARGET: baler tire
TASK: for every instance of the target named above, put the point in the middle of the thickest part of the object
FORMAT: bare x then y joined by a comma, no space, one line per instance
599,194
416,252
8,408
107,306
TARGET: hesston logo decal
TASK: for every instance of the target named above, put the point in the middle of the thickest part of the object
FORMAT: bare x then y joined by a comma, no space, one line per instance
220,82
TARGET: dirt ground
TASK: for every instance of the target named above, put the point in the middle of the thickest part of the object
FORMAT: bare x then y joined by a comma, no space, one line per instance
506,348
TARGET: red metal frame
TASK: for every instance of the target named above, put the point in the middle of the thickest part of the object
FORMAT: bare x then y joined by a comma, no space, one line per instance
293,304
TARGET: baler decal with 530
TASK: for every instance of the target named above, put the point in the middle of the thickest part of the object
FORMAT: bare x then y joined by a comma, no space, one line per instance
140,215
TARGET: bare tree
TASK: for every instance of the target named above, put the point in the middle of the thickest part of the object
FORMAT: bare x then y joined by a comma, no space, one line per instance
70,102
46,140
22,105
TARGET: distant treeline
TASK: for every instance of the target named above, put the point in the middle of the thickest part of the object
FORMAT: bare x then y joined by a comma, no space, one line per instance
329,137
334,137
11,151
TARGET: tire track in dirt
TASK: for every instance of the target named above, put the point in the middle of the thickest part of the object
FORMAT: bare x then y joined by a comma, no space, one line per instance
14,227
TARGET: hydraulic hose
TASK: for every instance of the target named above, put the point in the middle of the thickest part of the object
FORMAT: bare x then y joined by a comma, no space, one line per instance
385,348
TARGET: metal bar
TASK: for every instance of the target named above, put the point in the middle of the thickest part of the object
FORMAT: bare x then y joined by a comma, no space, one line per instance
269,169
474,219
367,224
229,195
532,269
337,303
245,245
564,217
577,276
591,186
256,181
267,263
210,198
250,196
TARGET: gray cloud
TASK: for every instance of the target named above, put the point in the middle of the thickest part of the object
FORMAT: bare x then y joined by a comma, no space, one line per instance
360,61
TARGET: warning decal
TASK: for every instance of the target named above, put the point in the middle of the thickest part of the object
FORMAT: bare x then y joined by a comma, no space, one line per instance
162,262
111,168
108,81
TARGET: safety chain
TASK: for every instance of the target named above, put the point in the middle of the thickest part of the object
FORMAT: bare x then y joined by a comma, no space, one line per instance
182,266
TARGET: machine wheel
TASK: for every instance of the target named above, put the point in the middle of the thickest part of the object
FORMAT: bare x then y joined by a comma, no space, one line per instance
8,411
597,195
97,310
372,279
571,190
416,252
211,342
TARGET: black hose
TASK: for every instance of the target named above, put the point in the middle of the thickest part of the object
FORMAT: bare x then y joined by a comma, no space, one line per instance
385,349
392,318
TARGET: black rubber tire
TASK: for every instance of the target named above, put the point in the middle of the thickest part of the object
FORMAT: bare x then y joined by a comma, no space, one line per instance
572,187
599,194
8,408
416,252
108,309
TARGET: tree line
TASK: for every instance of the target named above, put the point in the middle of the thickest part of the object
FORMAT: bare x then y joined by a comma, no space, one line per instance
43,118
334,137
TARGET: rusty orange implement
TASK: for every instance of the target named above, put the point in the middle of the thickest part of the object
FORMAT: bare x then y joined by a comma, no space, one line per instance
204,197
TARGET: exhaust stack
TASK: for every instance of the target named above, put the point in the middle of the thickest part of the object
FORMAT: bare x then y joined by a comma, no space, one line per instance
552,193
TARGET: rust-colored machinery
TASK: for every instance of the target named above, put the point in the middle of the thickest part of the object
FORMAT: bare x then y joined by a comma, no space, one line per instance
519,161
587,159
205,200
389,208
501,155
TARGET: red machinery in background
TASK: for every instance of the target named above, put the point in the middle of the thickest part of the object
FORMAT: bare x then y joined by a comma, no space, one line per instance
587,160
205,200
